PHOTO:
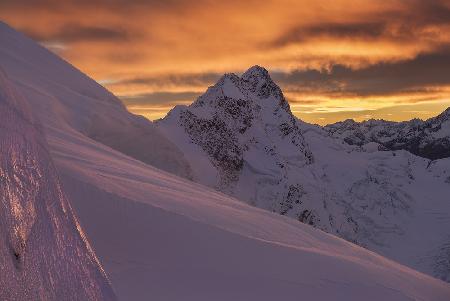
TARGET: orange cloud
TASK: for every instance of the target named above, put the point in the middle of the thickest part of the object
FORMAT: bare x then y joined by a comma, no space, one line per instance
166,48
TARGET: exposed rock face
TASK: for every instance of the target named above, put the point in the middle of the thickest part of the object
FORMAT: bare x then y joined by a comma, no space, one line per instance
429,139
44,254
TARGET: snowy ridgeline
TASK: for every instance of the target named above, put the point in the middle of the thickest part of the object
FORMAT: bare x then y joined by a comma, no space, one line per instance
162,237
429,139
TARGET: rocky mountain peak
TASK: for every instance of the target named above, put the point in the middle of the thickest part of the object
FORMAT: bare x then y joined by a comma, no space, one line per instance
254,88
243,117
256,73
258,81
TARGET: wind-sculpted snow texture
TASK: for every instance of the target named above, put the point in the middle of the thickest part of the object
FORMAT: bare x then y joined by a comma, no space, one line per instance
242,139
429,139
44,255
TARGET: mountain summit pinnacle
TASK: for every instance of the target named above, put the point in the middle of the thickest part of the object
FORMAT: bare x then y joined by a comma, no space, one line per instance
238,119
256,71
254,86
259,82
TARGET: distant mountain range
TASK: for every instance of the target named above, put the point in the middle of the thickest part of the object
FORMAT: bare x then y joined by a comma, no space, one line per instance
429,139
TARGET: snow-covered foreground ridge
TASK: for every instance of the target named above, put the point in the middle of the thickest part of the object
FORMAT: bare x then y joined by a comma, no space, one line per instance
160,237
44,254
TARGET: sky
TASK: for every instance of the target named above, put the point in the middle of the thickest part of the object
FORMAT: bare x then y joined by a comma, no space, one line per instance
333,60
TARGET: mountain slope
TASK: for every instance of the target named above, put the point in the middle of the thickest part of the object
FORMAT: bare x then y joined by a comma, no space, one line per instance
44,255
286,166
429,139
165,238
66,98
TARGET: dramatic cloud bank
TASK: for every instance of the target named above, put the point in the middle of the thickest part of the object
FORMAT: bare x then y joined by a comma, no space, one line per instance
334,60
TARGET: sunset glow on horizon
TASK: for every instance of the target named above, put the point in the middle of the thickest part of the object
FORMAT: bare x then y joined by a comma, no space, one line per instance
333,60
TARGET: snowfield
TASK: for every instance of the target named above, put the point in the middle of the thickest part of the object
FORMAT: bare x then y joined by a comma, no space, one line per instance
163,237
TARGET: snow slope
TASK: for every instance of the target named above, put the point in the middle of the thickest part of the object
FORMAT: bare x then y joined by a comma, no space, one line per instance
397,202
162,237
44,254
80,104
379,200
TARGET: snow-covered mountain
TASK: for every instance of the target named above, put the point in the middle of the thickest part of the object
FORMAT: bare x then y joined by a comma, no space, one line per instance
44,254
241,138
429,139
241,129
163,237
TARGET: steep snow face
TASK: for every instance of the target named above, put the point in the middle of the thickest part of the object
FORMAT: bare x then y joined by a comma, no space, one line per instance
67,100
44,255
242,139
429,139
244,126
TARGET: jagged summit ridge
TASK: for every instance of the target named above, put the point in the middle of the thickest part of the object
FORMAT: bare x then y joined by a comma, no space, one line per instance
254,84
256,75
261,83
257,71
